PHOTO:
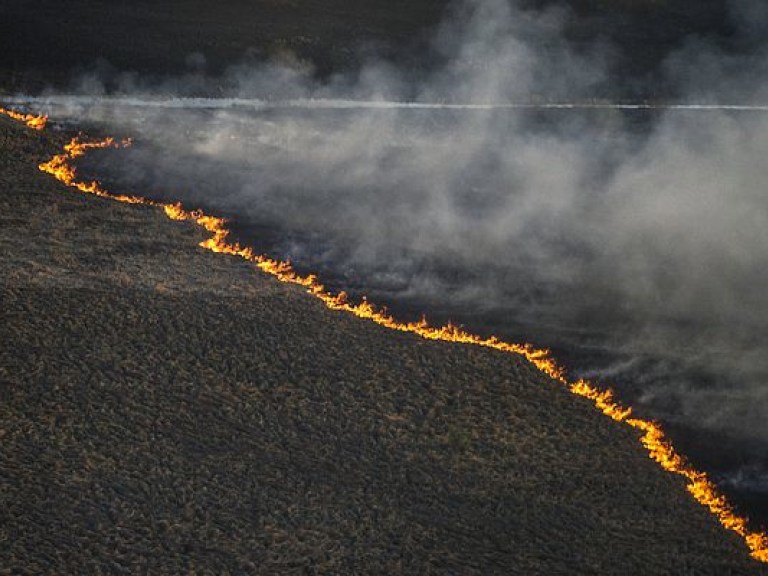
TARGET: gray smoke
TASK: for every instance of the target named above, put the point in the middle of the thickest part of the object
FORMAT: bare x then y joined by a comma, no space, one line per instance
644,235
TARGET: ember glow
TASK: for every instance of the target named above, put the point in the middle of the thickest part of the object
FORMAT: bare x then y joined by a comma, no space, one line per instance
652,437
36,122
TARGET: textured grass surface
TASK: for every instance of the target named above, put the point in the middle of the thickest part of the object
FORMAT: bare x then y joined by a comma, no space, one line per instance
169,409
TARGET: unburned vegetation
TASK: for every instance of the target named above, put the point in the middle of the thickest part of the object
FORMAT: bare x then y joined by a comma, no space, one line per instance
169,410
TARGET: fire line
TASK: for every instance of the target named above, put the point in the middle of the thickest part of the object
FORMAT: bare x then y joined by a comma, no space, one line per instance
36,122
652,437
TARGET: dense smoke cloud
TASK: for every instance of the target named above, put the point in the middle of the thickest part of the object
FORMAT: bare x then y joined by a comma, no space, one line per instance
644,235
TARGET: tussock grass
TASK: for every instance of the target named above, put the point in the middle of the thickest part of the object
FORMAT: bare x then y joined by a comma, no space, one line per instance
167,409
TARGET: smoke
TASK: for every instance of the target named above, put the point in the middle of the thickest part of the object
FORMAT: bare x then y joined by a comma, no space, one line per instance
636,240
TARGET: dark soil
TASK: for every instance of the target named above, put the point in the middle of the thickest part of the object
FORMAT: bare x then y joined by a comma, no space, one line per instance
50,44
45,43
168,410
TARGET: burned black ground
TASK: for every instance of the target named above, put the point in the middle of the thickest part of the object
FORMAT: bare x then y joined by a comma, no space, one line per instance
45,44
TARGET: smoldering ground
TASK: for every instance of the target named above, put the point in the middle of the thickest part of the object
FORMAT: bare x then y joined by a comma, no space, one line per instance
633,243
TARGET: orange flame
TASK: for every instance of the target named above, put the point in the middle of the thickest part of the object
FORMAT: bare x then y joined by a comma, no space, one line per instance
60,168
32,121
653,438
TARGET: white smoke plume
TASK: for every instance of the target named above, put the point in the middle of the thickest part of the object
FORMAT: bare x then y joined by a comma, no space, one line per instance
496,185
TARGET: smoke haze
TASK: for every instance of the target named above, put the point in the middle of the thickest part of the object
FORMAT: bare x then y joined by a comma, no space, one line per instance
633,242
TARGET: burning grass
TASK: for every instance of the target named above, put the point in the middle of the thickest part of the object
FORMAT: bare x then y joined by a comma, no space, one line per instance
657,444
465,437
36,122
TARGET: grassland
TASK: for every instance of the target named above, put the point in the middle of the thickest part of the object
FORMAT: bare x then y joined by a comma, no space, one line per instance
168,410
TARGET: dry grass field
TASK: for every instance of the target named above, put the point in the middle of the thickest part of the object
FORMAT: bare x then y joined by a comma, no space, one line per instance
165,410
168,410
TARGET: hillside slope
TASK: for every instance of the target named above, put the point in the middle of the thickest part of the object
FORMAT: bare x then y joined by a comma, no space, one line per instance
169,409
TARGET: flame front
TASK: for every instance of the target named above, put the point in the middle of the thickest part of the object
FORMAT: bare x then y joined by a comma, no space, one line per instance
652,436
32,121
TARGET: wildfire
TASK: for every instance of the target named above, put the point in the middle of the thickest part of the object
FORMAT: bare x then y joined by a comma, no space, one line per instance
32,121
60,167
652,437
